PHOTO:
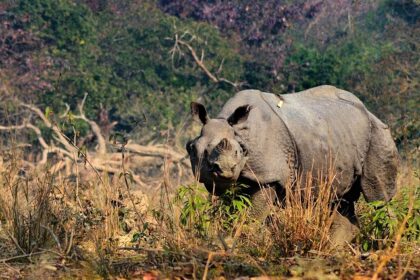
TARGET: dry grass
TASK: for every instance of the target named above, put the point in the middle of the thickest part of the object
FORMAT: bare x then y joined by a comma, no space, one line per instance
27,205
304,224
67,227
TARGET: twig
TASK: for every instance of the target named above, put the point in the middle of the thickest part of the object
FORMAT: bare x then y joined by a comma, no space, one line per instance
21,256
200,63
206,269
54,236
128,185
198,60
93,125
139,249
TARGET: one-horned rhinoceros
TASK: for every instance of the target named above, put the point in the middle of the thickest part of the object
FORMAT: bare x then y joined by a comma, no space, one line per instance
265,141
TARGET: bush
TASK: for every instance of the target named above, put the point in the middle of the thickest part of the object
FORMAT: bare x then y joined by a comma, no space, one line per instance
381,221
207,219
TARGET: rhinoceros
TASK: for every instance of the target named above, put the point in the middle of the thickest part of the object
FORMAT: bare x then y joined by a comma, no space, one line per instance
265,141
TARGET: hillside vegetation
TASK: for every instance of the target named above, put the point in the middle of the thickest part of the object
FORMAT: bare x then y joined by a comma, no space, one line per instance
124,55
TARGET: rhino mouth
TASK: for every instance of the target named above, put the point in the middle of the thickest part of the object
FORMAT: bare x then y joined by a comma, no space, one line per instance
224,181
221,176
223,173
218,173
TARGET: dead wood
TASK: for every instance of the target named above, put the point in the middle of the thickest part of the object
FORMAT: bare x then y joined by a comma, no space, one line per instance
61,154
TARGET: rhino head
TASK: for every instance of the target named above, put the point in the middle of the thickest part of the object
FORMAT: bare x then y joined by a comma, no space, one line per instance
217,155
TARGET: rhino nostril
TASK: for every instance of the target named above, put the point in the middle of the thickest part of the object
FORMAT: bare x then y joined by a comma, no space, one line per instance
215,167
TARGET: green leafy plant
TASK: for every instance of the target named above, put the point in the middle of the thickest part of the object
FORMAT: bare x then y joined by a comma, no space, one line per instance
231,206
142,234
195,212
200,214
381,221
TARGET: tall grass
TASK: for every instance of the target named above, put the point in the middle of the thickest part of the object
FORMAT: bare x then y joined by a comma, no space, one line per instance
98,220
68,217
29,209
299,223
304,223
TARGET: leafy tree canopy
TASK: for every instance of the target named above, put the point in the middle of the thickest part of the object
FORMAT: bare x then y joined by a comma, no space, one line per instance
123,54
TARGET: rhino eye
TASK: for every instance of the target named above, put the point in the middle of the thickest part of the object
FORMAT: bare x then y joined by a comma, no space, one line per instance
244,149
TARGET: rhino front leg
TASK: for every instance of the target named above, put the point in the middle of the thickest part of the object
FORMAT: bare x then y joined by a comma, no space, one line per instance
345,225
262,203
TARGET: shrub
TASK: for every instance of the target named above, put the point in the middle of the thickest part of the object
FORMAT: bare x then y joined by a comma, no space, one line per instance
380,221
207,218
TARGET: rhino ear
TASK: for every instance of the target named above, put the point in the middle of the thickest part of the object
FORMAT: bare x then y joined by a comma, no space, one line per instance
198,112
240,115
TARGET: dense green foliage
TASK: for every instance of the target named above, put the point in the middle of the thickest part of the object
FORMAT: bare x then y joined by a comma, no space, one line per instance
381,222
123,62
200,215
123,54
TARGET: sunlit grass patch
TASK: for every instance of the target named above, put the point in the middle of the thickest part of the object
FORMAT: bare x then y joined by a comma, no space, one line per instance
105,230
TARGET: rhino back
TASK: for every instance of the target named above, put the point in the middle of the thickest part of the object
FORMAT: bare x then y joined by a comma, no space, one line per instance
329,127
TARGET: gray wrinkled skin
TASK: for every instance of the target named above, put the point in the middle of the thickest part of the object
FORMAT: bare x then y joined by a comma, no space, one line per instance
264,140
216,157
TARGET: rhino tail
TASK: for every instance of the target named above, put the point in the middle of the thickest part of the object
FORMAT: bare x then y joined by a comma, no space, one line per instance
380,169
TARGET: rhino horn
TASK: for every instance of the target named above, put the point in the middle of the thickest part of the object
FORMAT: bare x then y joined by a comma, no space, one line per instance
224,145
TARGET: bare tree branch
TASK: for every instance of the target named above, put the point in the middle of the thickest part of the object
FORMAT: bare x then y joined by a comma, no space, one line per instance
58,135
156,151
47,149
101,149
200,62
100,160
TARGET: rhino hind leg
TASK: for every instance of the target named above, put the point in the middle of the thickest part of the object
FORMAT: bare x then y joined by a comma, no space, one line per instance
378,181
